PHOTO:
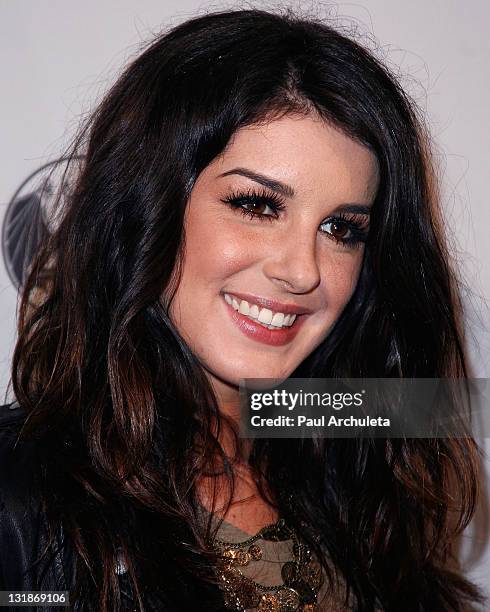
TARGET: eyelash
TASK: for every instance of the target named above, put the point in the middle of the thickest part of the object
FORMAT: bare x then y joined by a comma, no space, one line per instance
355,223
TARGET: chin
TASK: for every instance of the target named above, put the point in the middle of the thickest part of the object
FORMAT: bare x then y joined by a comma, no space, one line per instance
255,373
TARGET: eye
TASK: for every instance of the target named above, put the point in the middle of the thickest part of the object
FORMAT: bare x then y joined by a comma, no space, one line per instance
337,229
257,207
346,230
261,205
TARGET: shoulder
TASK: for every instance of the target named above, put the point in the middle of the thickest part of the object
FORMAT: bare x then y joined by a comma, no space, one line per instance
16,455
19,503
11,415
12,449
17,461
23,534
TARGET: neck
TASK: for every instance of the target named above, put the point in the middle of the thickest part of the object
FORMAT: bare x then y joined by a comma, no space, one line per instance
228,396
236,449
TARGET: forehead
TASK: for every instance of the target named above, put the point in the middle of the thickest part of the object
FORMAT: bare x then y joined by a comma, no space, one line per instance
309,154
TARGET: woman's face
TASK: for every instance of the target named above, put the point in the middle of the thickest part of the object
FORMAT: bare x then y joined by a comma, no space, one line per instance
298,265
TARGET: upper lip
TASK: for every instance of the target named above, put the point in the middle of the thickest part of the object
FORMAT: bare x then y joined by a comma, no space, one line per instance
270,303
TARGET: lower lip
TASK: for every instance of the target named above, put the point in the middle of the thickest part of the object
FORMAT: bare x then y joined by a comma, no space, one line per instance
274,337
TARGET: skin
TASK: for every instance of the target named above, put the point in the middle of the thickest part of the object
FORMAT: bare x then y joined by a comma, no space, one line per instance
289,259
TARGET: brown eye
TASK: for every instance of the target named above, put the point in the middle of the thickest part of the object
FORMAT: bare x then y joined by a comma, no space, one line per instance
257,207
260,206
338,230
350,232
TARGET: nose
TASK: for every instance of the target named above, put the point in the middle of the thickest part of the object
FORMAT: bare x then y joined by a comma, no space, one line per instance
293,262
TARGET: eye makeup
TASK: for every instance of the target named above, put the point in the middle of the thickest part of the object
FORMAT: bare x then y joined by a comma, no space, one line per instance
346,229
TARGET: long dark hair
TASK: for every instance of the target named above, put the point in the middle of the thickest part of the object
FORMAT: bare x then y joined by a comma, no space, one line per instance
122,410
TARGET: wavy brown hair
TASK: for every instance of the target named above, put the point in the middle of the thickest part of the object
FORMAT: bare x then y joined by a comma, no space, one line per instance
122,411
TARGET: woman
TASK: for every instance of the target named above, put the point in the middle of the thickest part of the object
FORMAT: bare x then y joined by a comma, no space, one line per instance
255,200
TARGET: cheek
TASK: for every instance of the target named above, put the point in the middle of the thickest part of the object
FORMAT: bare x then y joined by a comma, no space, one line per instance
217,252
341,279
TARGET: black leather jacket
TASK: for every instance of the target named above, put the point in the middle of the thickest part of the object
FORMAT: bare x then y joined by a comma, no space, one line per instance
23,532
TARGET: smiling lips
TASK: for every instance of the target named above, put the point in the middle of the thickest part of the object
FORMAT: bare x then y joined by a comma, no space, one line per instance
268,318
263,324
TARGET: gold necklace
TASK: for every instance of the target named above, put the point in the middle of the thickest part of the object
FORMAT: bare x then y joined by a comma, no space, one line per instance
302,576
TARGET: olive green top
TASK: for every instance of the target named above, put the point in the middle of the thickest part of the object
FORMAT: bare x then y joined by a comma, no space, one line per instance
267,570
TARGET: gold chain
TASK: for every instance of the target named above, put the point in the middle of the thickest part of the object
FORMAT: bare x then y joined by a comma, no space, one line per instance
302,576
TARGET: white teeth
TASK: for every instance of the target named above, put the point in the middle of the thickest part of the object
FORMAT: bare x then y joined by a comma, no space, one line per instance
265,316
277,319
244,309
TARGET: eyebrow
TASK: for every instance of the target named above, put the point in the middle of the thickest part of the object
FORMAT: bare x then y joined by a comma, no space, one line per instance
360,209
288,191
266,181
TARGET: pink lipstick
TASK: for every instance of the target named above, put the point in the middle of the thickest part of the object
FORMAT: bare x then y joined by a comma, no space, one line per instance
259,333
